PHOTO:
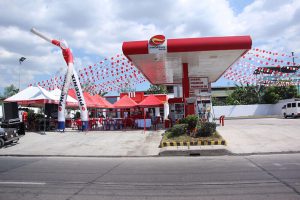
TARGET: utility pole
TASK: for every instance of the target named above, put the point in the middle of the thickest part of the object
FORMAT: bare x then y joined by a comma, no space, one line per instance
298,89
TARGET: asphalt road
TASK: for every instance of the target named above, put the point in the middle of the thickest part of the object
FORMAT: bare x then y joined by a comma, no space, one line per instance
274,176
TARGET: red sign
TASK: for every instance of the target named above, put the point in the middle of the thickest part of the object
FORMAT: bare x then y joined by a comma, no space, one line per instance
157,40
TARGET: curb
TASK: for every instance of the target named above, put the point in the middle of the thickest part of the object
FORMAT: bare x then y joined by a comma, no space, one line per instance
77,156
193,143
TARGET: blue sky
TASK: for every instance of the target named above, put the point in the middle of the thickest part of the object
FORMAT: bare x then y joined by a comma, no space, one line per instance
95,29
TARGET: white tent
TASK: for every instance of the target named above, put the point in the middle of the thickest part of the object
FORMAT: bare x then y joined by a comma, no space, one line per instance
38,96
34,96
70,100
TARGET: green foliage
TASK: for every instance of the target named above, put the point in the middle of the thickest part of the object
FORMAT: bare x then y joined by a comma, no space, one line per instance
183,121
10,91
206,129
286,92
244,95
218,102
177,130
157,89
192,121
271,96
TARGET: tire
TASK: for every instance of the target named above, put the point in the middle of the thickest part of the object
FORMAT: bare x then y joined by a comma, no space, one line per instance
284,115
1,143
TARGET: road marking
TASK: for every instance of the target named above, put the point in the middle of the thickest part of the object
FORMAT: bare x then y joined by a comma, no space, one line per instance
21,183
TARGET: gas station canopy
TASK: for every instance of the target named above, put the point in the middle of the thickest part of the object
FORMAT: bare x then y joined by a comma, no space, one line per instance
205,57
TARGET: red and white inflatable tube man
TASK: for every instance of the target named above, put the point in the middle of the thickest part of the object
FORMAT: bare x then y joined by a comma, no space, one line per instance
70,75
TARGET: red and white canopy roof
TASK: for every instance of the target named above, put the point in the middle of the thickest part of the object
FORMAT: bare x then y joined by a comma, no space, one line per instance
206,57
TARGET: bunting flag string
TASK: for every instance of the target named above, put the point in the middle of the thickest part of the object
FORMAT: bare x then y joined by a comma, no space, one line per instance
109,74
265,67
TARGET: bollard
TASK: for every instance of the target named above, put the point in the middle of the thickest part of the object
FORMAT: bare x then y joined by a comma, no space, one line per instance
222,119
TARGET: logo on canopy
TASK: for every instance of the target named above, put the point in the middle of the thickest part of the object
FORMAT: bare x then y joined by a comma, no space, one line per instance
157,44
157,40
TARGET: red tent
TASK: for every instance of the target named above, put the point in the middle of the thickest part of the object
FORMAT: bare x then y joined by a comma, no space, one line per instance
151,101
125,102
101,102
87,97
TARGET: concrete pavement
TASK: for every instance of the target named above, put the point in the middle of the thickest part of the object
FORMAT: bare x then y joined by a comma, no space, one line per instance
243,136
264,135
91,143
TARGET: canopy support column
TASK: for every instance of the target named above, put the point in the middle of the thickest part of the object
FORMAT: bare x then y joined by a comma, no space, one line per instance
185,85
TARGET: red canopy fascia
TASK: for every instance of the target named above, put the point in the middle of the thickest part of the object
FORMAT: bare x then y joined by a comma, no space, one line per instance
192,44
151,101
101,102
125,102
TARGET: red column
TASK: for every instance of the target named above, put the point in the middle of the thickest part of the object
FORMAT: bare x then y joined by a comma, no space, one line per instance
185,85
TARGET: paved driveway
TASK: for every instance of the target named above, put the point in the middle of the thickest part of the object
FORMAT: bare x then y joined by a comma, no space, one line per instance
92,143
262,135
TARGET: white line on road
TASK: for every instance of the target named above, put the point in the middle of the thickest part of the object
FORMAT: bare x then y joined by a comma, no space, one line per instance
21,183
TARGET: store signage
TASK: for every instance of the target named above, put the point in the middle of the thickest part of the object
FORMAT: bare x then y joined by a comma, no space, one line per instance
157,44
198,83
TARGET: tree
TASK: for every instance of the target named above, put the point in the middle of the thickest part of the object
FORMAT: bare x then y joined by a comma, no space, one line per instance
271,96
10,91
287,92
157,89
243,95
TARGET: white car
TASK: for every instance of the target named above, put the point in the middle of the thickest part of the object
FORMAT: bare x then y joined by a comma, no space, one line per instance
291,109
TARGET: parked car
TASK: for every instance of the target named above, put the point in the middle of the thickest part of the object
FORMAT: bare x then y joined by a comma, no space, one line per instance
8,135
291,109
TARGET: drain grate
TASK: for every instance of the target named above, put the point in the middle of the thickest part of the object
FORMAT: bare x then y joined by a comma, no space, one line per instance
194,154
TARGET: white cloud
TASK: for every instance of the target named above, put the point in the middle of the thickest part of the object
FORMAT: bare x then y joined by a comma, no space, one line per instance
98,27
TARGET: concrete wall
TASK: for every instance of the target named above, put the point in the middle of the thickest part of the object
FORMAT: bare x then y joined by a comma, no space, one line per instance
249,110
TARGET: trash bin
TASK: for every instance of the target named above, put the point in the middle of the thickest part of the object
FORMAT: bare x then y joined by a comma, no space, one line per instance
167,123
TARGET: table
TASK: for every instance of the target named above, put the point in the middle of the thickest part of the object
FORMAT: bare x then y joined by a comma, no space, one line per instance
140,123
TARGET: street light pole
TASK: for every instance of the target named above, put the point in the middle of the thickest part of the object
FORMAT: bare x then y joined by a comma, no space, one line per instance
20,61
19,77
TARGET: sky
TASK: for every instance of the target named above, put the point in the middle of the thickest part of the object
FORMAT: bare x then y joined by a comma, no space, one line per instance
95,29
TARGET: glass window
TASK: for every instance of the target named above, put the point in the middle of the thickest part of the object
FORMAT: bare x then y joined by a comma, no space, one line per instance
288,105
294,105
299,105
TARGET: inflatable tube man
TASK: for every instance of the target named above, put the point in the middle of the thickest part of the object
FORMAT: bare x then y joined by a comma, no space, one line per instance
71,75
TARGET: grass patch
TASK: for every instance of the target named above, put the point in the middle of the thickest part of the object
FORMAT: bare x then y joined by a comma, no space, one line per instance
186,138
